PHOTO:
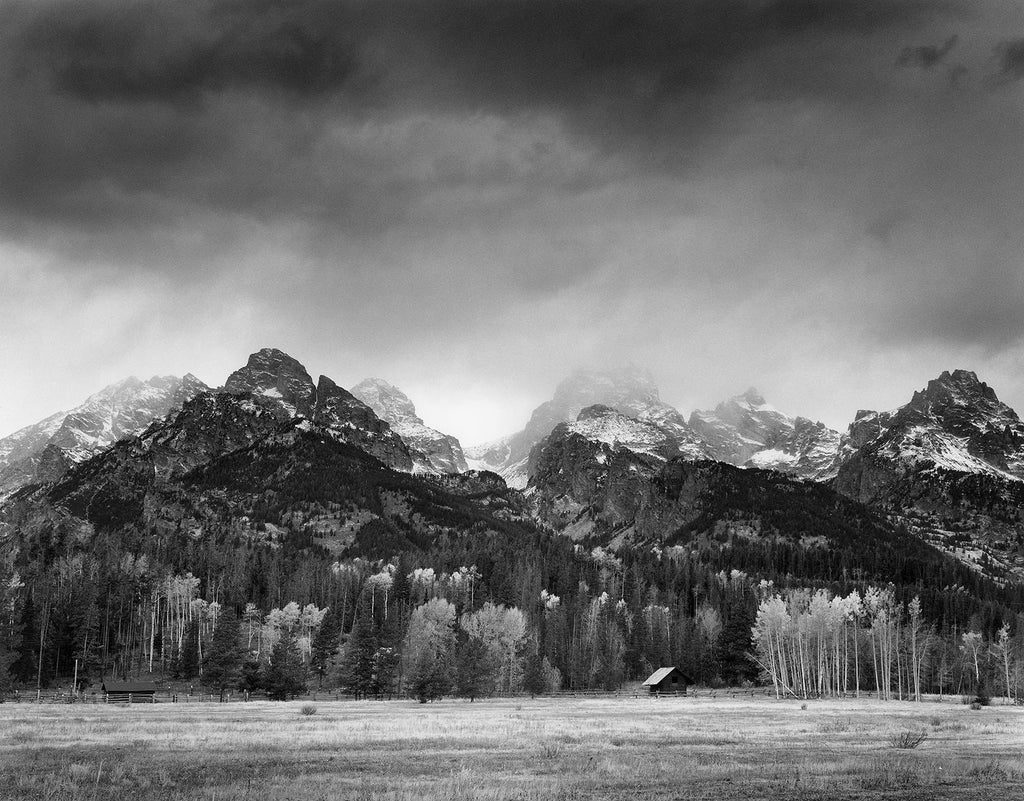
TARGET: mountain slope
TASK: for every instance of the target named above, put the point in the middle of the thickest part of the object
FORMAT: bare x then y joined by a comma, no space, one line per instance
41,452
950,463
432,450
228,468
281,384
627,390
747,431
760,521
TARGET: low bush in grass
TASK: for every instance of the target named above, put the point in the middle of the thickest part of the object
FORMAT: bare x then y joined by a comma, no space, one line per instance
308,709
909,738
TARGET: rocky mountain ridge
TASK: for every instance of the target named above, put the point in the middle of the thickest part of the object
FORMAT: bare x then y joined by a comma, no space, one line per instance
433,451
630,391
228,467
748,432
949,463
44,450
280,383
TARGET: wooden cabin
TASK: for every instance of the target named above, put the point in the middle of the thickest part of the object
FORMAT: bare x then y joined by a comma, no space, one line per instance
667,680
129,692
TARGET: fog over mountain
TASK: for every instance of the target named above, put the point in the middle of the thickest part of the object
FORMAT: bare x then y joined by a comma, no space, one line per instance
471,200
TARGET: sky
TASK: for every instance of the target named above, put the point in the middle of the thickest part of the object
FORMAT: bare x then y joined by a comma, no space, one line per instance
820,198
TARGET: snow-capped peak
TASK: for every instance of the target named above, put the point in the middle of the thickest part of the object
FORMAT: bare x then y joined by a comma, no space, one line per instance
121,409
433,451
748,431
631,391
956,423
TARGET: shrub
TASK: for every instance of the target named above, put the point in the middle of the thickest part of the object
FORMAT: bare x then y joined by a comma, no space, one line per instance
908,739
834,725
936,722
308,709
976,705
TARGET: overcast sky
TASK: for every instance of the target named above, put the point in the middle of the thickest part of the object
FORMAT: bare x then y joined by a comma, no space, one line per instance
822,198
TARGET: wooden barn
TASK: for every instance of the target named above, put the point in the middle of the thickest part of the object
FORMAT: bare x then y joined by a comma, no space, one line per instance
129,692
667,680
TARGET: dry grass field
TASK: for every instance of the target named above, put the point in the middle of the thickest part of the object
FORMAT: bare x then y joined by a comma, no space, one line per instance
613,748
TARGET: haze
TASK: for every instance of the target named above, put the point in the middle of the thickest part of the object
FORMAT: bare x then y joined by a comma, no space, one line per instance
819,198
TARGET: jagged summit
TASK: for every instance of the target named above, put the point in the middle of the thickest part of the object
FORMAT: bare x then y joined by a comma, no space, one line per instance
950,461
959,388
281,383
619,431
432,450
752,396
41,451
274,374
747,431
955,423
386,399
631,391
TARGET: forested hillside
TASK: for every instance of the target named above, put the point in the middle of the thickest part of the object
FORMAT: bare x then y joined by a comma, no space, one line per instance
277,534
378,581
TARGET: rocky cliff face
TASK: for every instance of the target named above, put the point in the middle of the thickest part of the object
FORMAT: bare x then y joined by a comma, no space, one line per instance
433,452
592,486
746,431
41,452
352,421
233,466
629,391
281,384
275,376
597,494
950,463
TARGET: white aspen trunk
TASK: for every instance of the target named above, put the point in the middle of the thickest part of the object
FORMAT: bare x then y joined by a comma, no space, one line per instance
152,635
856,658
874,661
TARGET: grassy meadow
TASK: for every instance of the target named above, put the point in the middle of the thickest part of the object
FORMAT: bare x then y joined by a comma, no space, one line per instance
564,748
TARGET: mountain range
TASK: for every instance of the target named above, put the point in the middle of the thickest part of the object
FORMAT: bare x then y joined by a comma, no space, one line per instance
606,461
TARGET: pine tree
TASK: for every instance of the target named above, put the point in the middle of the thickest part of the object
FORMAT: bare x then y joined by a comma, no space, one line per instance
250,677
387,657
736,642
188,660
25,665
10,626
285,675
357,665
534,680
474,669
89,644
223,662
325,645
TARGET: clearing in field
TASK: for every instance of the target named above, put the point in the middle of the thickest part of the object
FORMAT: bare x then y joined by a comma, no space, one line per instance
621,748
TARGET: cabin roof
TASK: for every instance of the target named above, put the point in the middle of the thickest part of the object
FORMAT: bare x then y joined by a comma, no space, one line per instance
658,676
130,686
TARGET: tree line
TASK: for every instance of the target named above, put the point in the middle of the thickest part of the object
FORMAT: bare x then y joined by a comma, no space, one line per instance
538,618
816,643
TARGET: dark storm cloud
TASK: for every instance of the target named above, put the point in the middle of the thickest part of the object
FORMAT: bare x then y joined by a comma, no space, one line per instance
926,56
883,227
516,52
140,116
1011,59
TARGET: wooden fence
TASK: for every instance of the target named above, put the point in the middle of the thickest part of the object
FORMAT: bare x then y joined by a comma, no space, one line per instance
171,697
